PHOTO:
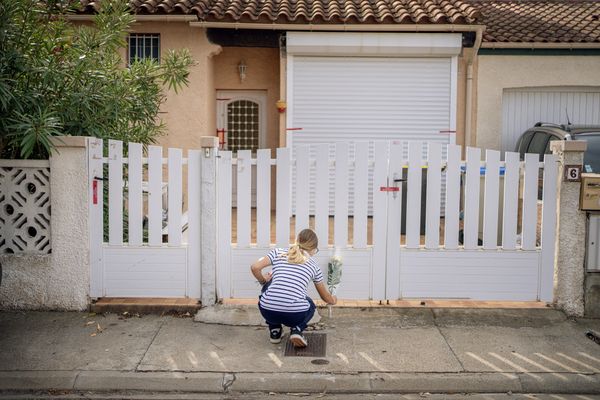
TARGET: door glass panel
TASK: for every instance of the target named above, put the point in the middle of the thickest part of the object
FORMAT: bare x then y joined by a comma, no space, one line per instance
242,125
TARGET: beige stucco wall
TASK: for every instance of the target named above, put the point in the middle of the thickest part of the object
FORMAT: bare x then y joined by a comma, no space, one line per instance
189,114
262,74
496,73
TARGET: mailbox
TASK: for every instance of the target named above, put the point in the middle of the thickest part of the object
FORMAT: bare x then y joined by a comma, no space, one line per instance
590,192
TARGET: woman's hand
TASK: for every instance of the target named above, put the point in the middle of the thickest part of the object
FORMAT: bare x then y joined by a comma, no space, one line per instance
324,293
257,268
268,278
333,300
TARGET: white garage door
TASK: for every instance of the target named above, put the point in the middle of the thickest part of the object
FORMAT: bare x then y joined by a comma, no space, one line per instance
523,107
366,99
363,99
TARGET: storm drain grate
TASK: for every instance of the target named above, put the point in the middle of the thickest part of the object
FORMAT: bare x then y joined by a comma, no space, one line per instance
317,344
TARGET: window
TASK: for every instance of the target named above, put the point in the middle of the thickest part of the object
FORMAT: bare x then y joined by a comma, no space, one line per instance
242,125
524,143
143,46
538,144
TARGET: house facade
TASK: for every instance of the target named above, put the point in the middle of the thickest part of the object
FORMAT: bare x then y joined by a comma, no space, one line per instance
272,74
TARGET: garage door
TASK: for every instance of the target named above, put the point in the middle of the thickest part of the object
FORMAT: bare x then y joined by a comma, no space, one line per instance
523,107
376,94
358,98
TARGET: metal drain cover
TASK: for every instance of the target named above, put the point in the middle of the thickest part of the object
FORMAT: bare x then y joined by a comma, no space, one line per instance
317,343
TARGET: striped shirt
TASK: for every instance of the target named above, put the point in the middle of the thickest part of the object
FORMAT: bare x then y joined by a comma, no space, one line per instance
287,291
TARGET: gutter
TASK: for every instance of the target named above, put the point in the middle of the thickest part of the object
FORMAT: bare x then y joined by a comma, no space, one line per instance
538,45
343,27
142,18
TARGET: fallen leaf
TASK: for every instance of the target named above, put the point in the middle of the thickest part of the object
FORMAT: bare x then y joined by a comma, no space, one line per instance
93,334
90,323
99,328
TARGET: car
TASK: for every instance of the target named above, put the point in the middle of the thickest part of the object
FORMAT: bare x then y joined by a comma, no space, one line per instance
537,140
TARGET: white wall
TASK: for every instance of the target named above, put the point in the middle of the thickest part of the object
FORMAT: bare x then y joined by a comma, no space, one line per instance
497,73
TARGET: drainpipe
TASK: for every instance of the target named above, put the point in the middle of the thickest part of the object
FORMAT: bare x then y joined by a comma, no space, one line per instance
469,87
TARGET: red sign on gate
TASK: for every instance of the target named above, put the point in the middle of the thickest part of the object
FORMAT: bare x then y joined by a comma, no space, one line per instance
95,191
389,189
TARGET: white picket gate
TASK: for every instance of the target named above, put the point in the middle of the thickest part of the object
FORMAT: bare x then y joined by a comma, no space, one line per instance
511,263
136,260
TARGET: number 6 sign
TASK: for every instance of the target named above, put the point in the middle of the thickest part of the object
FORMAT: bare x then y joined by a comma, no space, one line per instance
572,173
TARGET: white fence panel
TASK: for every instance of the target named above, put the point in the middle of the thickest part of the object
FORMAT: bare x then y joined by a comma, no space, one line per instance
96,210
471,193
530,184
340,227
380,206
322,195
194,234
511,201
452,197
263,197
302,188
155,204
361,195
134,195
115,192
244,176
175,199
282,213
434,183
413,197
394,218
224,198
491,204
548,227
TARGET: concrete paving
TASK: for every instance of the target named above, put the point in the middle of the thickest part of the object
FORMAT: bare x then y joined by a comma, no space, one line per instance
369,350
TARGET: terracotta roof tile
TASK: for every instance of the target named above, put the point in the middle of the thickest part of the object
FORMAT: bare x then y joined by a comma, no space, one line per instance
310,11
199,7
547,21
550,21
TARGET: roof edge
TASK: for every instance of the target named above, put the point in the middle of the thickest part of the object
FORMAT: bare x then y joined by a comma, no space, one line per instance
539,45
343,27
140,18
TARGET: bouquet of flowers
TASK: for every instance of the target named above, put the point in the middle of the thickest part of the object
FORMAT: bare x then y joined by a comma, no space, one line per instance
334,275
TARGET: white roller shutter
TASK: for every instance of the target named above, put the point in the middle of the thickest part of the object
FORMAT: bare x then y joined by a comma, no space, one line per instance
365,99
523,107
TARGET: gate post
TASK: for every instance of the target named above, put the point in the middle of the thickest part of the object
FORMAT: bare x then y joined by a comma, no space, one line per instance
569,268
68,283
208,219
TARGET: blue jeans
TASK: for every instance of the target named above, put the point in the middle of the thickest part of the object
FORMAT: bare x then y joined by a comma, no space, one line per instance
295,320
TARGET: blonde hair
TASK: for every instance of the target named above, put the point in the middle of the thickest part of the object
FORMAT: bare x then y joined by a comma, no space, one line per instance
306,241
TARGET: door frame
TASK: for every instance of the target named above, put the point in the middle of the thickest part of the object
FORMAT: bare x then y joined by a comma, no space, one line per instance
225,97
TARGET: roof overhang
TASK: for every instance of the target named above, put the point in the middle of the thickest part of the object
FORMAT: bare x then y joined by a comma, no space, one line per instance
373,44
343,27
141,18
538,45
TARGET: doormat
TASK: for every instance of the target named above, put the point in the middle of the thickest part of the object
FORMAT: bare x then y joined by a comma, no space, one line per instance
317,344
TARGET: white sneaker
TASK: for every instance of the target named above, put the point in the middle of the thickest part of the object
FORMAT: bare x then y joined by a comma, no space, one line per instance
297,339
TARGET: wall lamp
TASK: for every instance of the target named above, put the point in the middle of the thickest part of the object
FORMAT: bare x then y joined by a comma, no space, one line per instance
242,67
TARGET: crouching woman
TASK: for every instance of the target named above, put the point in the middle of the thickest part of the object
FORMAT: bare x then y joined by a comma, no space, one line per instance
284,299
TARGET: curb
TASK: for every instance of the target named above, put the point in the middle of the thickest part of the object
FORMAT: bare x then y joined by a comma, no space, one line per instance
302,382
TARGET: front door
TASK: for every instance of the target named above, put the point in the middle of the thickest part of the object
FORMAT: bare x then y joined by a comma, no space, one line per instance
241,116
241,124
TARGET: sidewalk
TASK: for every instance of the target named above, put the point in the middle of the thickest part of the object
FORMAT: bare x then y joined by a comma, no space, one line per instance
397,350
